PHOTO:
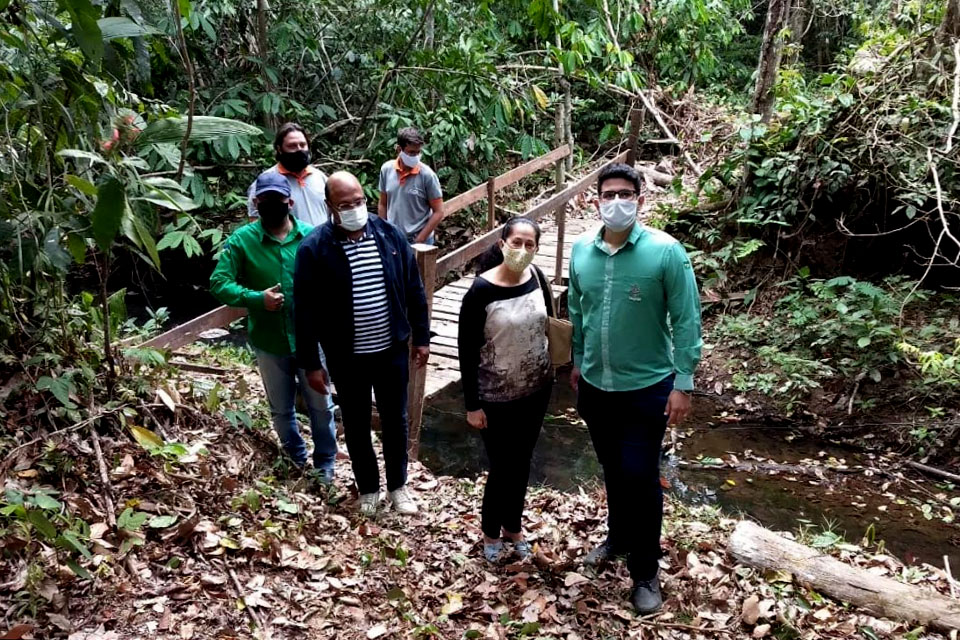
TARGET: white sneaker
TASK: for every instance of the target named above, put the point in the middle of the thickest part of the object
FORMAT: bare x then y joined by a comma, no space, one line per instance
368,503
403,502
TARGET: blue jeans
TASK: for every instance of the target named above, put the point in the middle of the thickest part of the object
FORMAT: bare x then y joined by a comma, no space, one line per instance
282,379
627,430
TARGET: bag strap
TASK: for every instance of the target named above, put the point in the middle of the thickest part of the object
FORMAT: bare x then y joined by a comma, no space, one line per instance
547,292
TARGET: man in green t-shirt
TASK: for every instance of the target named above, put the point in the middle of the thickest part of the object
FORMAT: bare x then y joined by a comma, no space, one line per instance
255,271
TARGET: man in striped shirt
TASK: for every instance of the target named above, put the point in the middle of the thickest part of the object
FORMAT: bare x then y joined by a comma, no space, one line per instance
357,293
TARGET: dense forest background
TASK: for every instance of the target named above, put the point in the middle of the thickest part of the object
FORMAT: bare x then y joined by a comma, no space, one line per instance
808,149
805,151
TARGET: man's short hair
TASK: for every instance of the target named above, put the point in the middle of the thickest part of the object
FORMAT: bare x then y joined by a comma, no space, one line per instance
286,129
619,170
407,136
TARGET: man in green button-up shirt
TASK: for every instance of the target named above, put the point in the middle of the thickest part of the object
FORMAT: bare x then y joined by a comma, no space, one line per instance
633,370
255,271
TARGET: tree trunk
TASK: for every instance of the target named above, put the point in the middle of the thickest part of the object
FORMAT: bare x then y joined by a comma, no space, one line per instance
263,14
950,27
800,17
778,16
753,545
191,86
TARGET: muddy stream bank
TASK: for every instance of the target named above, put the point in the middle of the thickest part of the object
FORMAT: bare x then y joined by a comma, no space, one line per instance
911,517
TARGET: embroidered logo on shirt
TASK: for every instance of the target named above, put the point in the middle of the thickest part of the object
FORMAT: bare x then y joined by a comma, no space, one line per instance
635,293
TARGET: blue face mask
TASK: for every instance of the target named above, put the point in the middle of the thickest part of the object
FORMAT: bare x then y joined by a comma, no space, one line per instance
618,215
409,160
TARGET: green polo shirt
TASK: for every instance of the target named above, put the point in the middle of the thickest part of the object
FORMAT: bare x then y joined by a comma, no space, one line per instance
251,261
619,304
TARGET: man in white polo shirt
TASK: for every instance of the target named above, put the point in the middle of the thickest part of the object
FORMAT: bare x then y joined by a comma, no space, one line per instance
410,195
306,181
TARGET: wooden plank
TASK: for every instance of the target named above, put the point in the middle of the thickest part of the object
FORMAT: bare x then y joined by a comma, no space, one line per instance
463,255
560,266
515,175
427,264
465,199
482,191
443,350
491,204
188,331
570,192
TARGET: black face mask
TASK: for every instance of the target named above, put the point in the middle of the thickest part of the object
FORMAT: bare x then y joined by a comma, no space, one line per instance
295,161
273,212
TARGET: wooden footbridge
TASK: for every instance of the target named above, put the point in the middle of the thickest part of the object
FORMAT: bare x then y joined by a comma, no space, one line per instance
444,298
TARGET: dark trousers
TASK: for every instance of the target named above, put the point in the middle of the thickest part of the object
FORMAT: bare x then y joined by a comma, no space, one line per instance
627,430
385,373
511,434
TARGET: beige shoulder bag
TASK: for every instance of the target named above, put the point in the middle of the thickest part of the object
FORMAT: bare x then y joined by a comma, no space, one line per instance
559,332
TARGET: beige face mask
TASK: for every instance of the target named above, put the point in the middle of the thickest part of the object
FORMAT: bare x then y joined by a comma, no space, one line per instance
517,259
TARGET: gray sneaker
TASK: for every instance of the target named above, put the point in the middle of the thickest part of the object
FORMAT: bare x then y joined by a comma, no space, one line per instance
523,550
493,551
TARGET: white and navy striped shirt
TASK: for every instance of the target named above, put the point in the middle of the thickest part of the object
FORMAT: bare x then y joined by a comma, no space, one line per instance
371,310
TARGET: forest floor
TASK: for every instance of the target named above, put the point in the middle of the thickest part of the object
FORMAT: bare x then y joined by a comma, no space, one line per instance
218,539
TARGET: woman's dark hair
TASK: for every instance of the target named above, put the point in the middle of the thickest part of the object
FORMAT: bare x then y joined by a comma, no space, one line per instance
493,256
285,130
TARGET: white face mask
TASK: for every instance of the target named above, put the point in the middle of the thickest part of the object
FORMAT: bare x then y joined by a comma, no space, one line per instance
409,160
354,219
618,215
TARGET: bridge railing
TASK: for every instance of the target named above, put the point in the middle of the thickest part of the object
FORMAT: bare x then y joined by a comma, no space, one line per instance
434,268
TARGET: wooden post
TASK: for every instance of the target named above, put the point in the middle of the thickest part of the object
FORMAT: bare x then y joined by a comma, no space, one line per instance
561,227
633,135
427,264
559,178
491,204
558,137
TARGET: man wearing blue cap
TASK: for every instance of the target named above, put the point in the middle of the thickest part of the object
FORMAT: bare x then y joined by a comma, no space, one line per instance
255,271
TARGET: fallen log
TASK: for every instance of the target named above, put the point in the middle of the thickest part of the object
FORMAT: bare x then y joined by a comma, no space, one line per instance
933,471
657,177
755,546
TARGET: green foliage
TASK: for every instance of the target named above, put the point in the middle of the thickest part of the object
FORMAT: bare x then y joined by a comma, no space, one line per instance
36,517
691,38
839,329
936,367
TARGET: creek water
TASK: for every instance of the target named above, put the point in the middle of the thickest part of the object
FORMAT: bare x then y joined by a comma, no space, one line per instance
853,505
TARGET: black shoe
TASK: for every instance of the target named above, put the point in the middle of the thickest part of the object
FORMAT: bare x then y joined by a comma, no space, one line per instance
601,555
646,596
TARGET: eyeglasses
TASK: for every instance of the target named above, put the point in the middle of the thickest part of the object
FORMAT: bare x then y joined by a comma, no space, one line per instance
353,204
625,194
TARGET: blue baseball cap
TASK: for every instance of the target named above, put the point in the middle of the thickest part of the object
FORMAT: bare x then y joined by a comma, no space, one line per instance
272,181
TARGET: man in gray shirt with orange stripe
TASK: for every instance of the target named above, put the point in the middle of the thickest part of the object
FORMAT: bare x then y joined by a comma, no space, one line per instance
410,196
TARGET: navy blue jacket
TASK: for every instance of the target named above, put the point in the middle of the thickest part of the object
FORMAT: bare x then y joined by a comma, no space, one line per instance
323,293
